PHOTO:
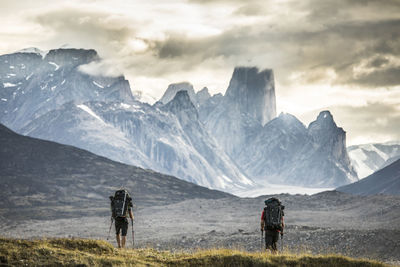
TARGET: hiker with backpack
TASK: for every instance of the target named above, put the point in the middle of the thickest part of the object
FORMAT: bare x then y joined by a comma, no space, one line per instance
121,205
272,223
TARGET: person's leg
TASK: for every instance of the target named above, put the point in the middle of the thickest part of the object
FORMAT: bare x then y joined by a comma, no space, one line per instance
123,241
117,231
124,230
119,240
268,240
275,238
274,248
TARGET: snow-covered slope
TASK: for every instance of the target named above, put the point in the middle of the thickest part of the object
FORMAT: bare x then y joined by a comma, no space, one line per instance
369,158
31,85
169,140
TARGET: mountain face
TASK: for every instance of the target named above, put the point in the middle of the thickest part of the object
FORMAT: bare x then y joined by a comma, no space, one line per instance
249,103
252,92
275,150
208,106
32,85
174,88
40,178
169,140
285,151
370,158
202,96
220,141
385,181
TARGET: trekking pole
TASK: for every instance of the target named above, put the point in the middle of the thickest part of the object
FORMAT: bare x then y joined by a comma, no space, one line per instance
109,231
133,235
262,237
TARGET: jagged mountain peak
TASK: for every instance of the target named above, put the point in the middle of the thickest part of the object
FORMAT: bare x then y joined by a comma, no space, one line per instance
287,117
181,103
286,123
202,96
252,78
324,127
252,92
324,118
174,88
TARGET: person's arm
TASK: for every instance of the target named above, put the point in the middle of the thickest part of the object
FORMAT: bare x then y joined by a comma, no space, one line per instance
131,214
262,221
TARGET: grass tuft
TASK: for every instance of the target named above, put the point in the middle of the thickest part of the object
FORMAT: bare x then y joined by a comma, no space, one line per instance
85,252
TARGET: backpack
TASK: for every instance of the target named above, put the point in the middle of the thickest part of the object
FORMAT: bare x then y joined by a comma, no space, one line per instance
120,203
273,213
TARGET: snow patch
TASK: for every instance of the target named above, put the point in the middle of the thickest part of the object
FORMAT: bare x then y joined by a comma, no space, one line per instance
125,106
63,82
5,85
12,67
90,112
29,76
4,99
55,65
97,84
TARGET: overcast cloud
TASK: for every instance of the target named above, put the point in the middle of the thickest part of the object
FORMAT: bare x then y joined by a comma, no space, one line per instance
338,54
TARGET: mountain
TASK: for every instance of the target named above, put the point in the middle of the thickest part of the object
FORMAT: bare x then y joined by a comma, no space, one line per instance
202,96
100,114
33,83
385,181
285,151
169,140
369,158
49,178
272,149
182,107
175,88
207,107
249,103
221,141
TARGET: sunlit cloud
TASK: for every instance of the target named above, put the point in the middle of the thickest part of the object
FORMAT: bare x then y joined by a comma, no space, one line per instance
325,54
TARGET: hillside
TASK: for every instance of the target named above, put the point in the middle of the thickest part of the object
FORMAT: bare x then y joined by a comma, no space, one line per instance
385,181
100,253
42,179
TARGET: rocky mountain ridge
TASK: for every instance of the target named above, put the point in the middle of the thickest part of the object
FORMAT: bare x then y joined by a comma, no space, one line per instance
221,141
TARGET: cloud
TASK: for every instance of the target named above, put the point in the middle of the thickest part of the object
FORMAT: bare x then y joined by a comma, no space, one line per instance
101,68
315,47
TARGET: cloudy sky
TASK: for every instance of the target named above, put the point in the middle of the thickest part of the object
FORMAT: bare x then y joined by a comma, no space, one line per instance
341,55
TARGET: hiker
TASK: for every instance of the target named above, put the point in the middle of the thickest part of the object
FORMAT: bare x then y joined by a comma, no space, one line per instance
272,222
121,204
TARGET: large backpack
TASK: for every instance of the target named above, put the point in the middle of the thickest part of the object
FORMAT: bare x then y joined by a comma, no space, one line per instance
273,213
120,203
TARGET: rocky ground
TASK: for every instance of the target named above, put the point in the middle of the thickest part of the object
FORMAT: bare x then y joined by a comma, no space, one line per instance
328,222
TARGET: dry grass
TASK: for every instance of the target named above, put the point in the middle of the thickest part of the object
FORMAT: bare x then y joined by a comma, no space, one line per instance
84,252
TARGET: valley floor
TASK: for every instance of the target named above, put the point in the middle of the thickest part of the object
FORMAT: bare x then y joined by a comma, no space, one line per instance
328,222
